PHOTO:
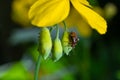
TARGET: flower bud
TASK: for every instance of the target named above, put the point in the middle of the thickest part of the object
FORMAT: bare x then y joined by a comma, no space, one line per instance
66,43
57,49
45,43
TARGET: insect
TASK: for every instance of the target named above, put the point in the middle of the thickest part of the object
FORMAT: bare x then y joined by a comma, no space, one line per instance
73,39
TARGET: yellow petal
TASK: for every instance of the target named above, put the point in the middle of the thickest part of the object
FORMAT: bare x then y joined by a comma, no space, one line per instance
76,20
85,2
49,12
73,18
84,29
94,20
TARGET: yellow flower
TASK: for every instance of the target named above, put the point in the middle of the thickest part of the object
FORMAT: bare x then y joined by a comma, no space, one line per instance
50,12
75,20
19,11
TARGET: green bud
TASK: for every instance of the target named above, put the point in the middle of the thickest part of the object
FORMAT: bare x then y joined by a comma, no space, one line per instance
66,43
57,49
45,43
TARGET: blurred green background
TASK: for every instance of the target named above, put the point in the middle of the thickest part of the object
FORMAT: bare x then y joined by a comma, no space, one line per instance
96,57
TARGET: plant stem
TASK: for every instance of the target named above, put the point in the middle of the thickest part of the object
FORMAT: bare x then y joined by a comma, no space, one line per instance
52,28
65,25
37,68
57,35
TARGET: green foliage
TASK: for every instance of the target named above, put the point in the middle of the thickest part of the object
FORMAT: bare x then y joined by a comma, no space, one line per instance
16,72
